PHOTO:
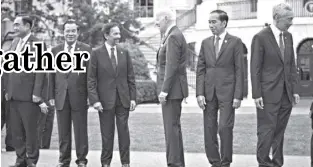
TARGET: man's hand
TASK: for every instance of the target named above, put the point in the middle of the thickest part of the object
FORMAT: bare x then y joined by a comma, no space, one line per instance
98,106
297,98
201,102
162,97
259,103
36,99
6,96
44,108
236,103
52,102
132,105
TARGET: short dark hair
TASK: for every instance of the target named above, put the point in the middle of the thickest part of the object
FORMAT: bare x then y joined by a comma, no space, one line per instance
26,20
106,29
222,15
70,21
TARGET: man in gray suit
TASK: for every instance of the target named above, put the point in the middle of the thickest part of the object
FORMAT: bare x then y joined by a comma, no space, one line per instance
172,84
112,91
68,92
274,80
219,86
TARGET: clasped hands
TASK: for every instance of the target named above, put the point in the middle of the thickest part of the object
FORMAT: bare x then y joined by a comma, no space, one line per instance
202,103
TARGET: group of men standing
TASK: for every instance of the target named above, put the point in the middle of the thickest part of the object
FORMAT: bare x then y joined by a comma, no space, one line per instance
109,86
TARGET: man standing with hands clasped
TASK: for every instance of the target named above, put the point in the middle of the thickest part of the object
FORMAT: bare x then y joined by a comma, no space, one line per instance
274,81
219,86
112,91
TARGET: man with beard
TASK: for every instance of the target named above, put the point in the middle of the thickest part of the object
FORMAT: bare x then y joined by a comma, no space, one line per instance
68,93
23,91
274,80
220,79
172,84
112,91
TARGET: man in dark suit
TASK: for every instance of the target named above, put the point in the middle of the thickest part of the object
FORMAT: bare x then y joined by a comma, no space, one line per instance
23,91
112,91
172,84
68,92
274,81
311,115
219,86
45,123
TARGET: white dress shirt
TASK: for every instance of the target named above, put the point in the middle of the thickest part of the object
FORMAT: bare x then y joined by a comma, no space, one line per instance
276,33
72,49
222,37
22,42
108,46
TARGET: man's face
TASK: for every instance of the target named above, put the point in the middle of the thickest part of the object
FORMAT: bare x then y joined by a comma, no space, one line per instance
70,33
161,23
215,24
285,22
114,36
20,28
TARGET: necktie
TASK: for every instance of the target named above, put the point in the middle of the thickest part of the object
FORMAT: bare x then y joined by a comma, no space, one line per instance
217,47
69,48
19,46
281,44
113,59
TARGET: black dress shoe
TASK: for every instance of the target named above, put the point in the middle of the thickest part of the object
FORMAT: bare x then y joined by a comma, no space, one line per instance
31,165
8,149
125,165
81,165
105,165
62,165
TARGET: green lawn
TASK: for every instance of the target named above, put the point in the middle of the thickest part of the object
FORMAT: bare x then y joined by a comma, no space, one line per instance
147,133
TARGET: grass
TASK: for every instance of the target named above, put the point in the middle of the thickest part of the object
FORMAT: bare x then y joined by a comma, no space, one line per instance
147,134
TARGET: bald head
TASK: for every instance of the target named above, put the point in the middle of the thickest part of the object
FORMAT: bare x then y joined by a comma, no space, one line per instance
164,18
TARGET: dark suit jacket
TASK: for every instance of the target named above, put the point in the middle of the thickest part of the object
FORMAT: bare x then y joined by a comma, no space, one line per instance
104,83
224,75
21,86
172,61
73,83
269,72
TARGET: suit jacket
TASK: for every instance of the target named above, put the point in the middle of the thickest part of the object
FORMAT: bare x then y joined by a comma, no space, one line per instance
104,83
172,61
75,84
269,71
224,75
21,86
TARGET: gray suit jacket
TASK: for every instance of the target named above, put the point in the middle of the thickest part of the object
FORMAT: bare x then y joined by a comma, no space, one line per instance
73,83
224,75
172,62
104,83
269,71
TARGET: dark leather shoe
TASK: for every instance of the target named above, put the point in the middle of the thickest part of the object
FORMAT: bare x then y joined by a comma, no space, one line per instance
105,165
31,165
125,165
62,165
8,149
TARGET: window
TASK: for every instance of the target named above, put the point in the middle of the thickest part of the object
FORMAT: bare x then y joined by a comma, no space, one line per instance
144,8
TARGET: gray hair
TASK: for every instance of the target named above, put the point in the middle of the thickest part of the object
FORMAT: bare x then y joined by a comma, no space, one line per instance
170,14
281,10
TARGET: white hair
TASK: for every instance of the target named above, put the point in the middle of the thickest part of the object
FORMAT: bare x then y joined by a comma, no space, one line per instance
168,13
281,10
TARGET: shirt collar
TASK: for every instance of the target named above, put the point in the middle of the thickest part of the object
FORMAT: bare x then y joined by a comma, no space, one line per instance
26,37
108,46
222,36
168,29
275,30
73,45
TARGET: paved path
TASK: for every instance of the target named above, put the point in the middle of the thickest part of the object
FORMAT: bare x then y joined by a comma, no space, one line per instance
49,158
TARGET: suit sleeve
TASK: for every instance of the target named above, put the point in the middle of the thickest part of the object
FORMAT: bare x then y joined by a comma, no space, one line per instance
92,78
257,52
39,81
294,73
200,75
131,78
239,70
173,53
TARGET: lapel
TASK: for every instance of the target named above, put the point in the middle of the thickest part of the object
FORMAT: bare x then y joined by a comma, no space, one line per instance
274,42
224,45
169,33
211,47
104,54
14,44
